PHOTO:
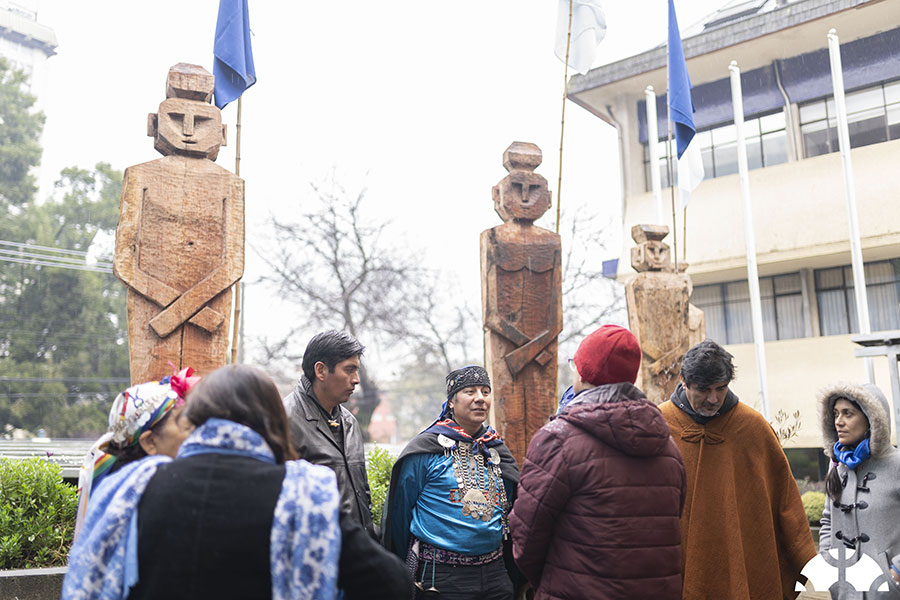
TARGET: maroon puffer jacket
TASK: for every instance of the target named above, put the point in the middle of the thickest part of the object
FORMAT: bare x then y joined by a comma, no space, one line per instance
599,502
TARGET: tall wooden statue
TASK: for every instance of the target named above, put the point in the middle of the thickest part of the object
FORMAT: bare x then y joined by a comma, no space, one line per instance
180,238
521,301
660,314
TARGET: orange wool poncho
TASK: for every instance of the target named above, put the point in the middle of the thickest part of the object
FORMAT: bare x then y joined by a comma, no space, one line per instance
744,533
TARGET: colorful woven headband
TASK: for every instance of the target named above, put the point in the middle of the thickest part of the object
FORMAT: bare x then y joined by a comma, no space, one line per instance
136,410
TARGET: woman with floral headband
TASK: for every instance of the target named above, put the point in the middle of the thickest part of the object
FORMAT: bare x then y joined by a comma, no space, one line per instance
145,420
234,516
451,491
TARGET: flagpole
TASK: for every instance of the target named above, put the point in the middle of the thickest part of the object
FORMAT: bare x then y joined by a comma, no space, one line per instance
237,285
669,159
672,188
653,146
562,124
737,101
859,274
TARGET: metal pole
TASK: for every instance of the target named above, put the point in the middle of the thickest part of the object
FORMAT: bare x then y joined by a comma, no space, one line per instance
749,238
859,275
895,389
653,146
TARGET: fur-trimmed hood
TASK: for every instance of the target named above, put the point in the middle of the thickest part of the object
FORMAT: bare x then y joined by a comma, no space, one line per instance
873,403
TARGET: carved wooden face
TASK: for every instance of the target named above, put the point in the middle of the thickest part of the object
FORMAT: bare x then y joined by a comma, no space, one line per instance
651,256
521,196
189,127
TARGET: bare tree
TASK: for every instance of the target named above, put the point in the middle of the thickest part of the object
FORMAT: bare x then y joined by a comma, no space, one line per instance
449,331
589,298
340,269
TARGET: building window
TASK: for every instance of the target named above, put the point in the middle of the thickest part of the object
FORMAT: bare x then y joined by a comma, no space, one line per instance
727,309
766,146
837,299
873,116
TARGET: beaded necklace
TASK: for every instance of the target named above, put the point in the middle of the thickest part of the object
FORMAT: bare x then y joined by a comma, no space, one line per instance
479,484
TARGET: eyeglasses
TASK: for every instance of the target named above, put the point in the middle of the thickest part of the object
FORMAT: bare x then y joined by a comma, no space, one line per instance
572,365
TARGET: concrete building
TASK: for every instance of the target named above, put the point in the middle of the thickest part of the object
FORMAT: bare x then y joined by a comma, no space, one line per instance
25,43
796,183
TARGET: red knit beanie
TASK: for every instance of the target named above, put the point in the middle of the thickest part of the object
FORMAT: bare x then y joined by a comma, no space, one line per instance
609,355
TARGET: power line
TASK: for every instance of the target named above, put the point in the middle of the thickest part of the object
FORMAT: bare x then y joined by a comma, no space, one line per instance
39,395
56,265
46,256
82,253
69,379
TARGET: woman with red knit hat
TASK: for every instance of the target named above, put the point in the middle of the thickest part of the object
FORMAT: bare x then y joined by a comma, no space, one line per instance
601,491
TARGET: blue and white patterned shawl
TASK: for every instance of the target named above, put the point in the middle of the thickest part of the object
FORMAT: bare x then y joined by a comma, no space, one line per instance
304,546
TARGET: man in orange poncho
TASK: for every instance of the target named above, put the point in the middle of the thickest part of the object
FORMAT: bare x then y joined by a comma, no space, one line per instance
744,533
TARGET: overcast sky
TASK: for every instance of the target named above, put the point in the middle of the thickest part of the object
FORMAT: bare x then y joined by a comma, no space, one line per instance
416,100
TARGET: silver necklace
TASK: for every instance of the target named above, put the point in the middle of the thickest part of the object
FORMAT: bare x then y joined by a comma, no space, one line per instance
481,486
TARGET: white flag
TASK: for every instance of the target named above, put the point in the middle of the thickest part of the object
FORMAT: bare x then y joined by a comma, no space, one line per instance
588,30
690,171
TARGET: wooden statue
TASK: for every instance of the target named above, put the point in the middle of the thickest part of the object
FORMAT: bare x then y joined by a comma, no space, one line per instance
659,312
180,238
521,301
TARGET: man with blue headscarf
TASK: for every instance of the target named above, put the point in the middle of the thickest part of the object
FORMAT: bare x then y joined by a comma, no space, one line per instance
451,491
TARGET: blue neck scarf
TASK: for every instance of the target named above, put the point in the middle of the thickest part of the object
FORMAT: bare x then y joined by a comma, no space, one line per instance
103,562
852,457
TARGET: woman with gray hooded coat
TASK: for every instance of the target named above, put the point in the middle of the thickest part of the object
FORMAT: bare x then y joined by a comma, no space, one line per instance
862,508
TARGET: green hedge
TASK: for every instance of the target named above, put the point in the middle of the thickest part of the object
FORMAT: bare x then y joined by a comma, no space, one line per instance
37,514
814,505
379,463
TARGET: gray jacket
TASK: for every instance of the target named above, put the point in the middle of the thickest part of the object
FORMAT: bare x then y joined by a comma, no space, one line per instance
314,442
868,510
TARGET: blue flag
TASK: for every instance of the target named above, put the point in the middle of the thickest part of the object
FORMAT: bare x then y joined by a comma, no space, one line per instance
232,54
681,107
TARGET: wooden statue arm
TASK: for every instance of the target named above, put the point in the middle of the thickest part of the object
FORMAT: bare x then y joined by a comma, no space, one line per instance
125,263
190,302
506,329
229,270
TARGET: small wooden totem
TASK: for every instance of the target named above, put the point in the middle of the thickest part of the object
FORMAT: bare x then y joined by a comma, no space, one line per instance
180,238
660,314
521,301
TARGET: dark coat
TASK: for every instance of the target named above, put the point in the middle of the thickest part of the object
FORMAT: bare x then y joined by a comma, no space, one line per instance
314,442
600,499
205,522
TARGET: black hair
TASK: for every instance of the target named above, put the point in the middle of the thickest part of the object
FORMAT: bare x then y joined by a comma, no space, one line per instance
706,365
329,347
246,396
834,483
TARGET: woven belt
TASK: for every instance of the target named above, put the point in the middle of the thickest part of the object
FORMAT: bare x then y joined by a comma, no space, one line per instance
449,557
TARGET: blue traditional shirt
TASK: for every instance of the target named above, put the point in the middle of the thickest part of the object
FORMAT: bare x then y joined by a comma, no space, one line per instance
427,486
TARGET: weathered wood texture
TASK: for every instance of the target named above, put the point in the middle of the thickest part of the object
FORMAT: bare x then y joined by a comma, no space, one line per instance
180,237
659,313
521,302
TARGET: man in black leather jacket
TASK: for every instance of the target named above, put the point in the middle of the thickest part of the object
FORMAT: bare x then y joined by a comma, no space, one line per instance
324,432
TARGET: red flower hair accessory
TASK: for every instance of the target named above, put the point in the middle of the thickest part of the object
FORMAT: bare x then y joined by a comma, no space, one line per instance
182,381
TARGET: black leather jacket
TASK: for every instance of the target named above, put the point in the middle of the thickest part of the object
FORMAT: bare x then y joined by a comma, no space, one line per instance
314,442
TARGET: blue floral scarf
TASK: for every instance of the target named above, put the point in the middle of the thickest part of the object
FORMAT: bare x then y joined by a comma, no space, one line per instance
103,562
